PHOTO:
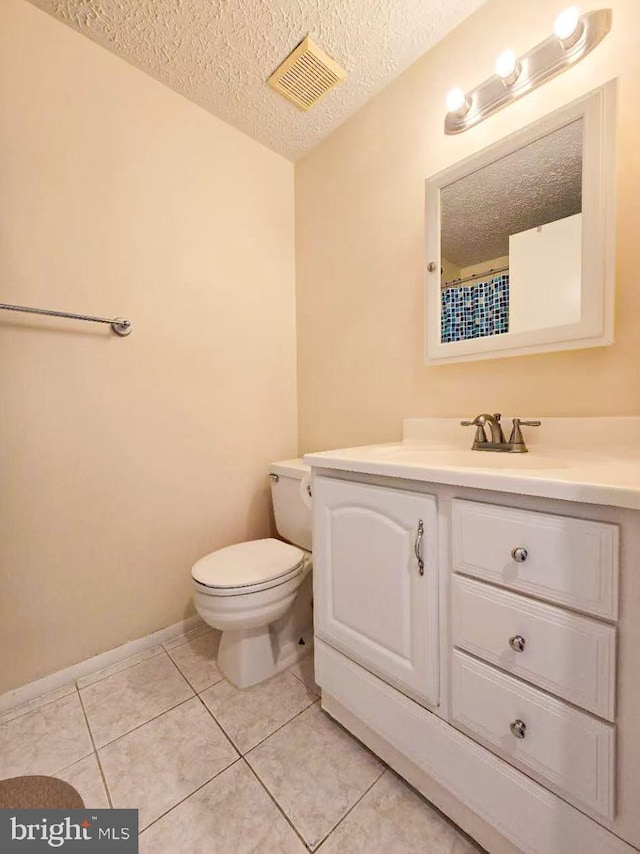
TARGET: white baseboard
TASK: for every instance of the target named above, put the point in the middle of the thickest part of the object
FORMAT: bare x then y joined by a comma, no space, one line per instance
25,693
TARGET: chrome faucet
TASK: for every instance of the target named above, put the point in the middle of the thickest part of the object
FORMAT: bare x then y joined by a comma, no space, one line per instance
479,422
515,445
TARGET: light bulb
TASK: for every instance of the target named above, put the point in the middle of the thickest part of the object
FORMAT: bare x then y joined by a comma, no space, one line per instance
457,102
568,26
507,66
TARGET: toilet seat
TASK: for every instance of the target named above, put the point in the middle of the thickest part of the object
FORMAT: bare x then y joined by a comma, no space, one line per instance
248,567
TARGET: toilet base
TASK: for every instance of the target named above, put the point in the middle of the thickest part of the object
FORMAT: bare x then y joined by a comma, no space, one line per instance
249,656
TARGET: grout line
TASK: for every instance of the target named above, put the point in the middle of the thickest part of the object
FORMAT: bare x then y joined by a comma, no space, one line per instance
100,768
184,675
186,797
253,747
186,638
180,672
298,676
364,746
427,803
351,808
118,672
93,748
16,713
220,727
218,723
297,715
306,685
277,805
191,685
139,726
155,717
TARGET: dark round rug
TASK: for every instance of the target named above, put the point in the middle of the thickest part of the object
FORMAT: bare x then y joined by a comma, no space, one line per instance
42,793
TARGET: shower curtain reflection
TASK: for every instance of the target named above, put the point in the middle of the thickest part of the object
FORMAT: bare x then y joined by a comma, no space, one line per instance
475,310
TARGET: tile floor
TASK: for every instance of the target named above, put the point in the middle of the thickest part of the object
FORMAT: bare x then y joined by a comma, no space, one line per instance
215,770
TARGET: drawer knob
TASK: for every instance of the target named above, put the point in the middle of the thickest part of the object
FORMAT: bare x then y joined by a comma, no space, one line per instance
518,728
517,643
519,554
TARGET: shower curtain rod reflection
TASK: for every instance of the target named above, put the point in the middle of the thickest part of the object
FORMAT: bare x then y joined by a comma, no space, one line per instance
455,282
120,325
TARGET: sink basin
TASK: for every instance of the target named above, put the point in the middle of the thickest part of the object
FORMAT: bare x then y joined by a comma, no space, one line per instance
442,457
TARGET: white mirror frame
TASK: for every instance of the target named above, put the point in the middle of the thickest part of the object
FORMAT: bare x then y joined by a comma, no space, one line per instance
595,328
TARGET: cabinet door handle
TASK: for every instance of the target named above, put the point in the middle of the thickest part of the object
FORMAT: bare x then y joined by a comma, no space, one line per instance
519,554
418,546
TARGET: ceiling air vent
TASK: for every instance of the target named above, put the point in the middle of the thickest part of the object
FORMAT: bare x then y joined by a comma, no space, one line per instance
306,75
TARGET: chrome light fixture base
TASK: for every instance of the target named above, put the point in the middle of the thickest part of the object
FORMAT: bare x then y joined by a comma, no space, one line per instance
548,59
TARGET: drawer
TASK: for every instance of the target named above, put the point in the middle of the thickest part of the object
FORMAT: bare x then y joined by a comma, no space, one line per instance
564,653
563,748
573,562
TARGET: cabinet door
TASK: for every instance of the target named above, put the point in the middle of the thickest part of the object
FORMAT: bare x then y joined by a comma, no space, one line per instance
370,599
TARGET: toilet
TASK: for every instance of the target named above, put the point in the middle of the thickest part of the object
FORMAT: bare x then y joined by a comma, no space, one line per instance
258,593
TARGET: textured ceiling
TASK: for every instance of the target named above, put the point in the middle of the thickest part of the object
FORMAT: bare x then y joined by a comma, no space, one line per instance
539,183
219,53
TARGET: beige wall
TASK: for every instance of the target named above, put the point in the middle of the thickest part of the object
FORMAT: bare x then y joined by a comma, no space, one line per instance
123,460
359,244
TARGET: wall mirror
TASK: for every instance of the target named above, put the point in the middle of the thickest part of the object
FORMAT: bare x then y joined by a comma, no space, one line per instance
520,240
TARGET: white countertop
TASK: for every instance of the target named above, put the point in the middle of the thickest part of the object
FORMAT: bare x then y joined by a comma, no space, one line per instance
593,460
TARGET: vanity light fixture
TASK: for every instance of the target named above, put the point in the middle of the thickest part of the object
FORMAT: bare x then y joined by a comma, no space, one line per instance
507,67
457,102
568,27
574,36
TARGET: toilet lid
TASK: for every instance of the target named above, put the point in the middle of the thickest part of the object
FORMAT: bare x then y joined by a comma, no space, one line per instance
247,564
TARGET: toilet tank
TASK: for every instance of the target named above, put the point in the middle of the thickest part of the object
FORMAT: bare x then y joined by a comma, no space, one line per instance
291,502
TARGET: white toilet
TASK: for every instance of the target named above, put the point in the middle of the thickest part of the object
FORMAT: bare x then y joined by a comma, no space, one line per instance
259,593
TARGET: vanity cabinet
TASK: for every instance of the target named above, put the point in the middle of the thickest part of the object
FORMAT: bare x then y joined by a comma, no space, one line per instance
376,581
491,675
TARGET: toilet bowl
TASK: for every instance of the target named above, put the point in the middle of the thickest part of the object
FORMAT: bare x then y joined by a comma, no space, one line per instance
255,592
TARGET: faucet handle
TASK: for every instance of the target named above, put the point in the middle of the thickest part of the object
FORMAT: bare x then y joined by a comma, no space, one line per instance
516,440
480,437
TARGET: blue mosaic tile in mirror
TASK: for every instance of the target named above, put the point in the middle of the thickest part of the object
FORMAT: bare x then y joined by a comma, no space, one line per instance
475,310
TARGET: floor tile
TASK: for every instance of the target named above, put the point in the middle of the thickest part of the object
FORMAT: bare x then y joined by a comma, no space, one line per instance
121,702
87,780
401,821
316,772
199,629
119,666
250,715
305,671
230,815
157,765
45,740
37,703
196,659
